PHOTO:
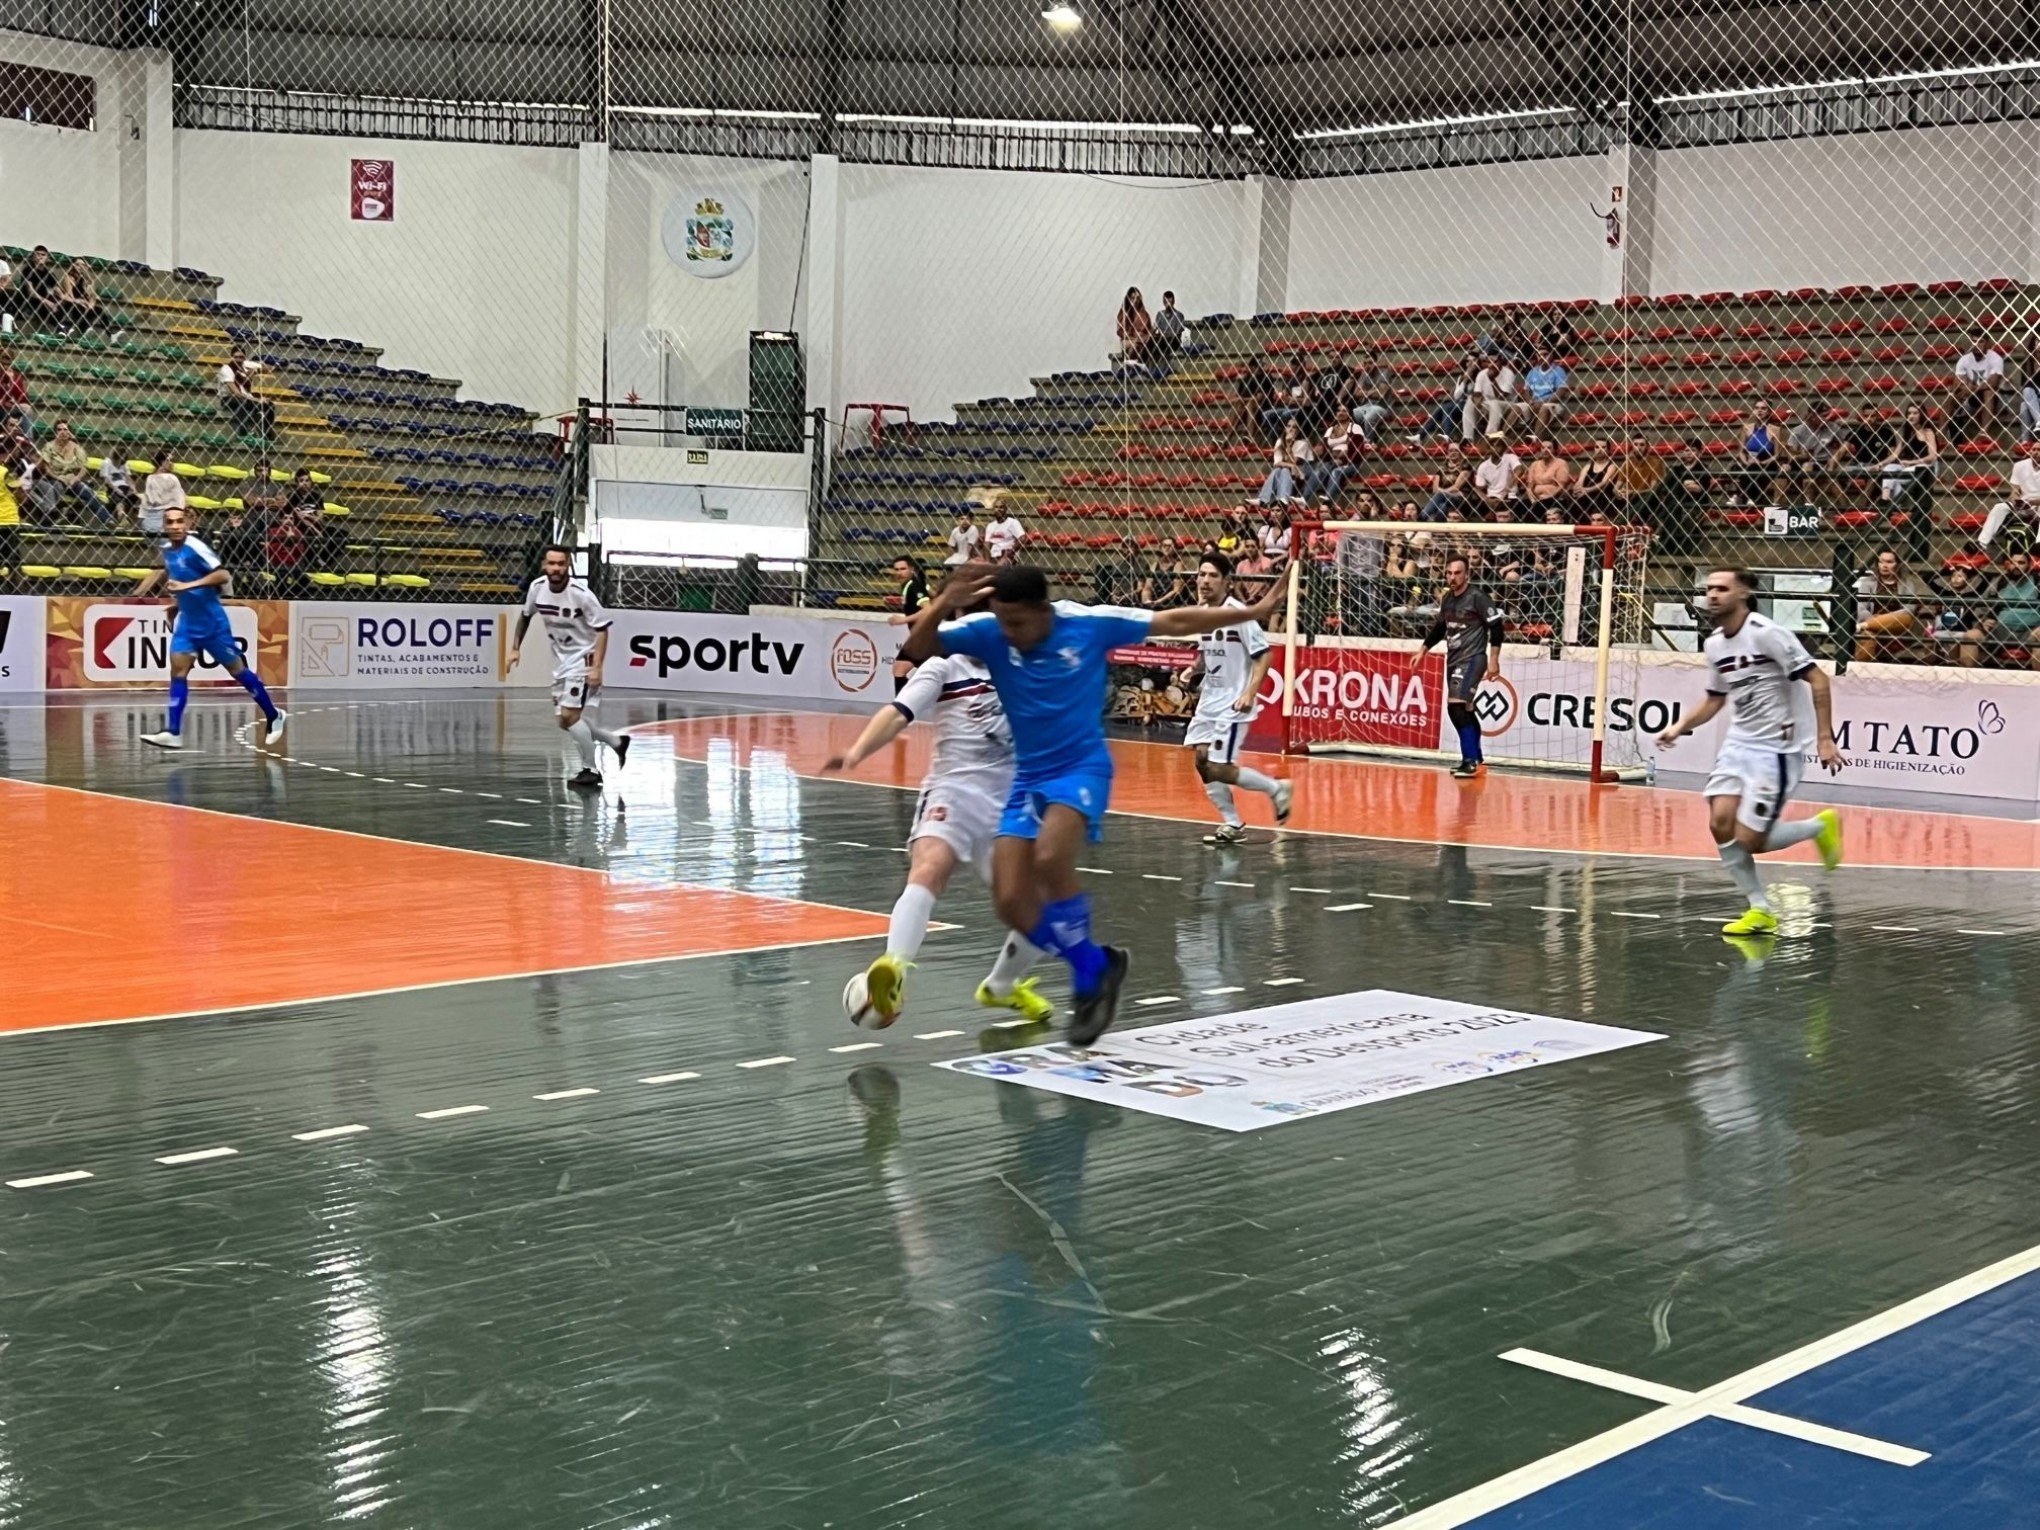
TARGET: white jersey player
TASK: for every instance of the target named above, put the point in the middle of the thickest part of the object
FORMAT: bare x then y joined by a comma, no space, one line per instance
969,778
579,630
1234,663
1757,668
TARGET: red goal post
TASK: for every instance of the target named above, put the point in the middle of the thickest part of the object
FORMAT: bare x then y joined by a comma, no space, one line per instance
1573,603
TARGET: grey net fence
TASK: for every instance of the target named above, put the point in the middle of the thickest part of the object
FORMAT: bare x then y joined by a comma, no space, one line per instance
1753,280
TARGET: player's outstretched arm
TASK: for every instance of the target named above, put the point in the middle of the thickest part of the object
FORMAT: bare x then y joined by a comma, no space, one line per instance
886,724
1693,722
960,592
1195,621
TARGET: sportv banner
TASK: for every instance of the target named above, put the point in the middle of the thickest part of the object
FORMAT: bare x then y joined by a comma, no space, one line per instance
92,643
372,646
792,658
1263,1067
21,642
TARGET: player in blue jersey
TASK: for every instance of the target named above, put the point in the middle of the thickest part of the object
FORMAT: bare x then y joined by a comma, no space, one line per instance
1048,663
195,578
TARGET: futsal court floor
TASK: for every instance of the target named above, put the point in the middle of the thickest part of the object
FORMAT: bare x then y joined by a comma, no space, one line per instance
393,1137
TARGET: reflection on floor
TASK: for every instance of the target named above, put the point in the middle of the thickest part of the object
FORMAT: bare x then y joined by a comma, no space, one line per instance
669,1243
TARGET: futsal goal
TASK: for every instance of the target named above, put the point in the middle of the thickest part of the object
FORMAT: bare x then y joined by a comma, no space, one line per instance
1560,695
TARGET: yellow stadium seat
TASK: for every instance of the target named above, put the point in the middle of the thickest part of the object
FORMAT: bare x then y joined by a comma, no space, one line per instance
408,581
284,475
201,502
326,581
186,470
94,464
140,468
333,507
233,502
366,581
134,573
233,474
40,571
86,571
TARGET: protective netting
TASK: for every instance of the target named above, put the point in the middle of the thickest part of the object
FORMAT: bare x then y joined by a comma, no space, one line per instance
1559,693
1762,288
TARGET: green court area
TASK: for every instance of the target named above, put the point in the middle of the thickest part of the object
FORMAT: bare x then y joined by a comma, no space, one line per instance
672,1244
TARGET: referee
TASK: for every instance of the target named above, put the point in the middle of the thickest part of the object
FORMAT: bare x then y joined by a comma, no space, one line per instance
1471,628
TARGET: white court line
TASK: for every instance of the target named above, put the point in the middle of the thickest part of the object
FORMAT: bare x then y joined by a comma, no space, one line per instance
1324,890
1553,908
1755,1418
448,1112
453,789
567,1094
1623,913
508,823
857,1046
382,780
327,1131
937,1035
1896,929
1979,932
765,1062
1280,982
852,844
529,801
1345,908
198,1155
1156,876
492,796
1094,871
1213,993
669,1078
417,786
1623,1438
1469,903
1160,998
1248,885
357,775
38,1181
1396,897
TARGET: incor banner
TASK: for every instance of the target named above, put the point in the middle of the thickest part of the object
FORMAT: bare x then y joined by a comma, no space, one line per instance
91,643
1263,1067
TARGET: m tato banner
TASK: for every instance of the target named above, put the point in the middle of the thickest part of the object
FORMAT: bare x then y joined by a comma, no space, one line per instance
372,191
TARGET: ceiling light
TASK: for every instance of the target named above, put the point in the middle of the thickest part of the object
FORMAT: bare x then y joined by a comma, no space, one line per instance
1062,16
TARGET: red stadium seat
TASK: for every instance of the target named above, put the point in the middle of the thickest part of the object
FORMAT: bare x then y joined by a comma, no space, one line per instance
1690,388
1978,483
1939,352
1900,289
1981,446
1893,326
1947,289
1723,416
1716,299
1840,355
1852,293
1698,359
1707,331
1760,295
1752,331
1855,518
1729,387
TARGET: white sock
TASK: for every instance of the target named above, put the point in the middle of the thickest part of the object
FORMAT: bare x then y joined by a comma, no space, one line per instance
1221,796
1796,832
1254,781
1015,957
1993,523
606,736
584,743
909,925
1743,868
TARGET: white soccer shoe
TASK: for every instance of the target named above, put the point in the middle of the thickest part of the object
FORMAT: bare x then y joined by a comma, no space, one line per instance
274,735
164,740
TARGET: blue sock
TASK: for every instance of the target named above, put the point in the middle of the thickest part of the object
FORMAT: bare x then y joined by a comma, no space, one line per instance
1469,742
1065,929
180,692
259,691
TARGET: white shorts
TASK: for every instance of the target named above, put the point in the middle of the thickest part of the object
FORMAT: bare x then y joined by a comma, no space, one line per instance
1226,733
962,812
574,693
1763,778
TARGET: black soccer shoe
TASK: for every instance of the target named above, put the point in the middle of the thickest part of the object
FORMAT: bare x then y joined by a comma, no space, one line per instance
1094,1015
622,750
587,781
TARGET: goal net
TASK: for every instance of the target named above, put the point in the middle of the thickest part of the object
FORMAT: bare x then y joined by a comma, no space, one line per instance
1561,693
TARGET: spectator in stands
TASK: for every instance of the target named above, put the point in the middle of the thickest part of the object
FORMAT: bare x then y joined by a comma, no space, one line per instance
1447,412
1367,401
1544,390
1811,451
1979,386
118,486
1509,341
1138,345
1890,605
1291,389
1960,619
1597,479
2029,391
1126,580
964,537
1003,531
1287,463
307,501
1866,446
64,472
1335,461
161,490
1675,504
1495,479
1915,455
14,394
10,531
1760,442
1272,535
1256,393
1489,397
78,305
1557,335
13,307
1170,326
1454,487
240,541
1236,529
250,413
39,281
2015,623
1549,477
287,543
2025,500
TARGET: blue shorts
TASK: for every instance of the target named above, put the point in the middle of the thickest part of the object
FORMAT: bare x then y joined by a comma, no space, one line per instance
1463,679
1089,792
215,642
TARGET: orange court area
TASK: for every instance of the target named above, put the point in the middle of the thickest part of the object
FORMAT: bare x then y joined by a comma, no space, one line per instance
127,910
1410,803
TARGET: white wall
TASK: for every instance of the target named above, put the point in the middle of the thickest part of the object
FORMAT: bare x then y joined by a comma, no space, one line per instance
472,280
963,283
1477,234
1926,205
59,186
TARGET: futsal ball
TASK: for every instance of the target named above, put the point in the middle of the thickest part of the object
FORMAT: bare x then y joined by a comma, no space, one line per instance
858,1006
